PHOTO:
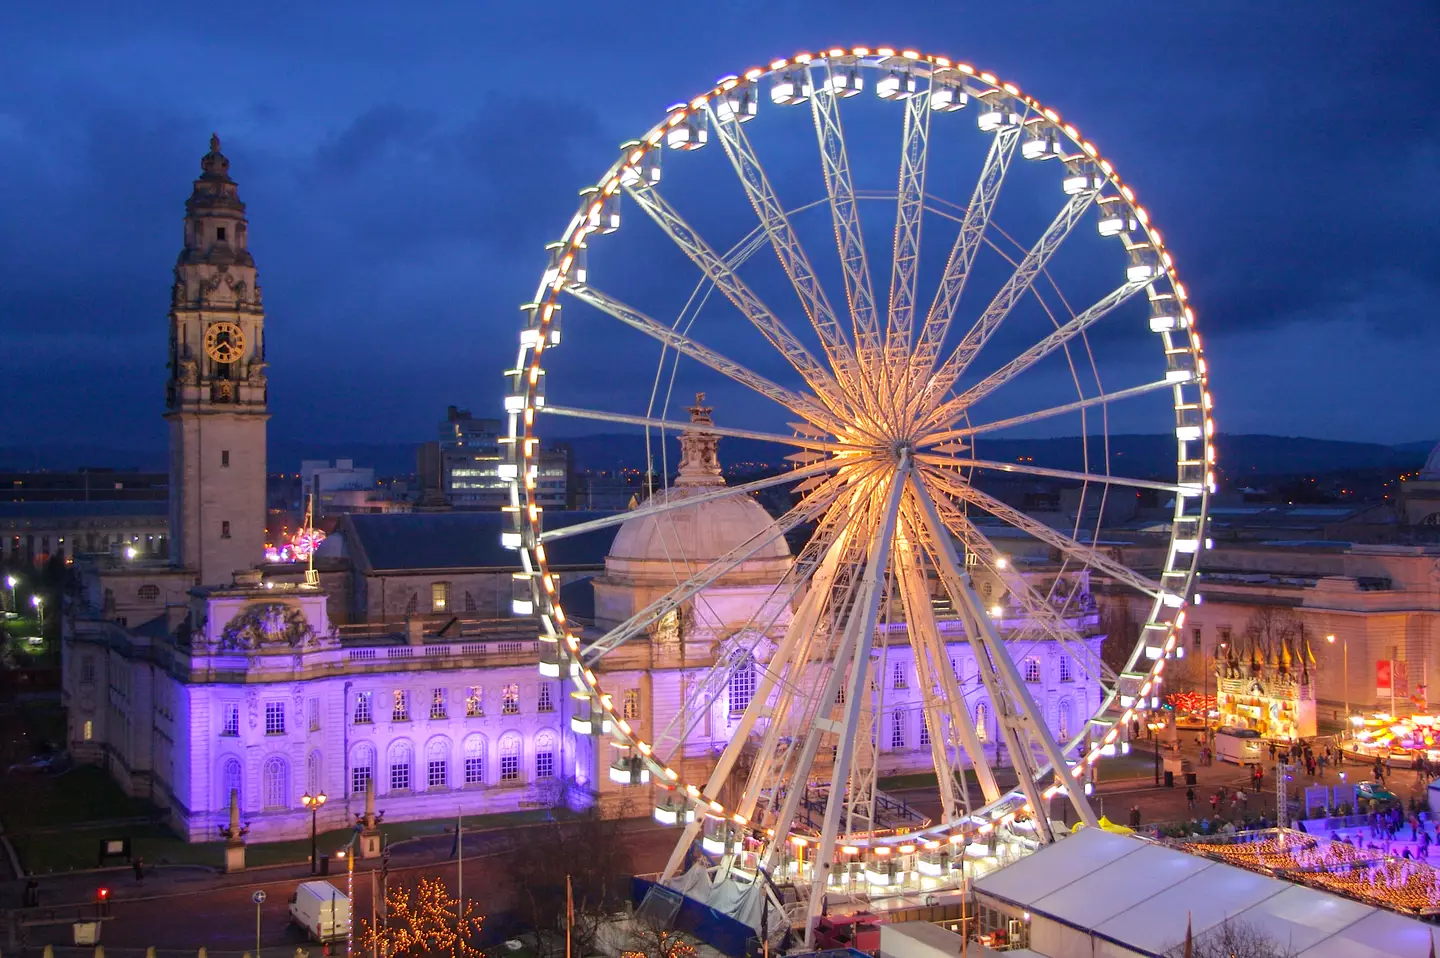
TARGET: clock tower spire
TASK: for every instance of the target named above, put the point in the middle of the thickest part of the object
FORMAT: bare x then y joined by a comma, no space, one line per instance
216,395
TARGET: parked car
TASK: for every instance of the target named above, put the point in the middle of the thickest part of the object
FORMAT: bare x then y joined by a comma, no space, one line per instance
1374,791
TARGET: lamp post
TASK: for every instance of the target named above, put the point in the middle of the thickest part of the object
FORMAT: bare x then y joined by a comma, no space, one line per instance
313,802
10,580
39,605
1345,667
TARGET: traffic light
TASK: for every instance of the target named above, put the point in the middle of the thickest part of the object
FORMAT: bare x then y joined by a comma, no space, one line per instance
102,901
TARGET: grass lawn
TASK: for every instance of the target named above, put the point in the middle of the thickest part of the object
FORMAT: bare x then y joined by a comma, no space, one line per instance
1135,765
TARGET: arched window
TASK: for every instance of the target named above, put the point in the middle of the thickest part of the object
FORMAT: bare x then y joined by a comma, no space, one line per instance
312,774
232,781
510,757
402,760
545,755
362,769
276,782
1062,720
742,682
924,729
475,760
897,729
982,722
437,763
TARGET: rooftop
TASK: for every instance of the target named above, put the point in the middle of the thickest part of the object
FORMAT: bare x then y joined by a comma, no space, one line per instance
465,540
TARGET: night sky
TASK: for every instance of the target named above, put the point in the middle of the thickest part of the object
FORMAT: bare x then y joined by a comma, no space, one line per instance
404,166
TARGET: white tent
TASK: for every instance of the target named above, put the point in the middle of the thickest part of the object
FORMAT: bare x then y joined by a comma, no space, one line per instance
1106,894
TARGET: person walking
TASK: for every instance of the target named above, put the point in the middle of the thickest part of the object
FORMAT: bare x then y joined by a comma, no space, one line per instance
139,866
1190,797
1214,803
1240,802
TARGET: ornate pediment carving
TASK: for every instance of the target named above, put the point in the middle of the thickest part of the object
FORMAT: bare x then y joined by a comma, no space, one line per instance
267,625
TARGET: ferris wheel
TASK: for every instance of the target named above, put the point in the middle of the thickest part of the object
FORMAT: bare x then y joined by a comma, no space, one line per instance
1028,296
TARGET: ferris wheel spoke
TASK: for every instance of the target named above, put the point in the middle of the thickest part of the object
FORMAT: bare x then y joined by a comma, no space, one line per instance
1011,293
1091,557
676,426
1014,705
952,462
909,210
830,131
797,403
739,293
807,509
948,411
962,255
775,224
668,505
1035,605
1041,414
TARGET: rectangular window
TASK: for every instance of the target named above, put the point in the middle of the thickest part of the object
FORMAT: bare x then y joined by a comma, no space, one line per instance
401,710
438,709
1195,636
225,529
400,777
545,764
510,703
312,710
220,233
901,680
1224,635
1067,671
474,769
435,773
509,768
1032,669
360,779
474,702
545,699
231,724
225,458
274,718
632,704
363,716
87,669
89,731
439,596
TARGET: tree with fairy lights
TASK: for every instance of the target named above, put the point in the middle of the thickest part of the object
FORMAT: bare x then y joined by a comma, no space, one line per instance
651,940
423,920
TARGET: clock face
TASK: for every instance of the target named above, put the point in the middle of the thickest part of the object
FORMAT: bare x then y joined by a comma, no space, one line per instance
224,342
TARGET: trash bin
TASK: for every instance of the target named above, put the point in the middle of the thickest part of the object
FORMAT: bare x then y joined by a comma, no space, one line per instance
1190,778
324,864
1169,779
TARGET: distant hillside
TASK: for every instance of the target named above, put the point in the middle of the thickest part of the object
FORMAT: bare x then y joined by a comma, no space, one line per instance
1140,456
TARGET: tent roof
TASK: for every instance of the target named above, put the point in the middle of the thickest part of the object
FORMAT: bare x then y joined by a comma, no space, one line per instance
1137,893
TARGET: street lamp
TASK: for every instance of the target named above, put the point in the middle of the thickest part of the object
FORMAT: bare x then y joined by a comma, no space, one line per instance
313,802
39,605
1345,666
10,580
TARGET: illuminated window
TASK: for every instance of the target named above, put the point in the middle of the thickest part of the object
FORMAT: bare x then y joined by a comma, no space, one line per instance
89,731
742,683
545,755
510,699
510,758
401,758
1062,721
924,729
232,780
1066,669
438,708
475,760
897,729
982,722
363,715
631,708
474,702
899,680
1032,669
274,718
437,764
545,699
313,714
276,781
362,770
231,725
400,712
439,596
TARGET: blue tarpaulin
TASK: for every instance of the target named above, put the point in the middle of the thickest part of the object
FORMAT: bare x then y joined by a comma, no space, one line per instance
721,932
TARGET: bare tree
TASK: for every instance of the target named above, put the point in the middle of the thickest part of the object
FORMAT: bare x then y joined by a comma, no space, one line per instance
593,854
1232,939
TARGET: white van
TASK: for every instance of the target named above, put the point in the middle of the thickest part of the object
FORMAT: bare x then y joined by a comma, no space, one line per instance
321,909
1238,745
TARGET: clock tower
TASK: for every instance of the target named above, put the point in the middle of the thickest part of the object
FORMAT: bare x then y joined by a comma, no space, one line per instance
216,395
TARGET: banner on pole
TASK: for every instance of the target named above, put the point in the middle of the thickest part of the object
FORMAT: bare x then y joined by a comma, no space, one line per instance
1384,677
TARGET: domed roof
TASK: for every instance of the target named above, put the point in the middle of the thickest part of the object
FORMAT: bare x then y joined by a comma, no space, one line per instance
1432,465
684,540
